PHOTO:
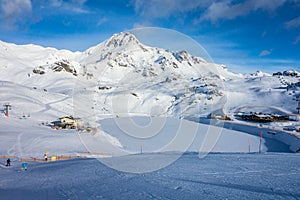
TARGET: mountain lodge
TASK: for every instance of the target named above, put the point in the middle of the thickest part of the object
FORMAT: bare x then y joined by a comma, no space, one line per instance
67,122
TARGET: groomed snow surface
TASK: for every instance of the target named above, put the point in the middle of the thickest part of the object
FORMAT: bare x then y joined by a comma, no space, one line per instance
217,176
170,175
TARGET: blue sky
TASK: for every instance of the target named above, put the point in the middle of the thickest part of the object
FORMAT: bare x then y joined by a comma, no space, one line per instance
245,35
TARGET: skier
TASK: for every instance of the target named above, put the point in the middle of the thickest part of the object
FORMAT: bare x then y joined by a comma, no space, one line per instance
46,157
24,166
8,162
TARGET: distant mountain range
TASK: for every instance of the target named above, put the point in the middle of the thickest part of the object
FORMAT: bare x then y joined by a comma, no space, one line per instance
121,76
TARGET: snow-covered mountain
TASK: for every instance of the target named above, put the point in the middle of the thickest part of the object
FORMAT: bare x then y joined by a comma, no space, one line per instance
122,77
154,81
150,80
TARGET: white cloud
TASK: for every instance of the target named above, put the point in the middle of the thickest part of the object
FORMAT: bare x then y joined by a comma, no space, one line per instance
264,34
297,40
62,2
206,9
75,6
224,10
267,4
228,10
56,3
80,2
14,12
294,23
264,53
138,25
101,21
166,8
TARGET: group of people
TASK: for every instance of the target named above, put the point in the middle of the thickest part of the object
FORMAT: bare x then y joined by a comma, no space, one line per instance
8,161
24,164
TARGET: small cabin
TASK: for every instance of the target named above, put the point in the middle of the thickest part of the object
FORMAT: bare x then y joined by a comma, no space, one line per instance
68,122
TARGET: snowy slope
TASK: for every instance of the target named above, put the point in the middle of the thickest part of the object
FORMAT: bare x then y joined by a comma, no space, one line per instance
264,90
218,176
121,77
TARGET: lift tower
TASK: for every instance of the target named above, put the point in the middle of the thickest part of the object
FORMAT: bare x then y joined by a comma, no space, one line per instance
7,107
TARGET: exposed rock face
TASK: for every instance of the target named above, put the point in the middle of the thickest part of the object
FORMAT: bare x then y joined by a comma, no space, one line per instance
39,70
64,65
58,66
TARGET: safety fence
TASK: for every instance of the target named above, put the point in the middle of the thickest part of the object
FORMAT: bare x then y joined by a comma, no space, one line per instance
50,158
7,156
96,153
58,157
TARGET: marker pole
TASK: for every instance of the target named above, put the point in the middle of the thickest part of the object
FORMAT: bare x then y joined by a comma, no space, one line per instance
249,145
260,139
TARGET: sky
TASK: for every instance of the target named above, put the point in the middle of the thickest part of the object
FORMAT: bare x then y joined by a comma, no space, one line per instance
245,35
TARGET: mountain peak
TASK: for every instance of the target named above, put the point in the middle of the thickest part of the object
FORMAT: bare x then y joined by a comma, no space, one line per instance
121,39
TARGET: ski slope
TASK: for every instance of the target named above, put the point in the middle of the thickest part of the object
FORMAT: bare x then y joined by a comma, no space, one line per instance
218,176
148,108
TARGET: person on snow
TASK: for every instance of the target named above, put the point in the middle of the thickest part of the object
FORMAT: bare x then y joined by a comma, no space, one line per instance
46,157
8,162
24,165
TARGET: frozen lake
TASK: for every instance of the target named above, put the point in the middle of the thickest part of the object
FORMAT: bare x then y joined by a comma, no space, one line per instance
217,176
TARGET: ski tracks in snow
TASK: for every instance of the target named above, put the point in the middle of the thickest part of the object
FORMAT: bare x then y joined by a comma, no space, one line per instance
49,107
16,149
